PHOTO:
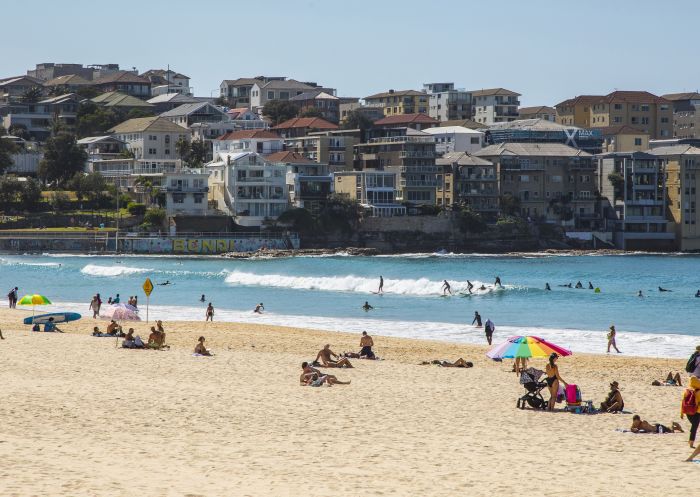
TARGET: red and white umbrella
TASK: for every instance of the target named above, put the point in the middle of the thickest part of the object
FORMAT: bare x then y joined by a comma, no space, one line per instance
120,312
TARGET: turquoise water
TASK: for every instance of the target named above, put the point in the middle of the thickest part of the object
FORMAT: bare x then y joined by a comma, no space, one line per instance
328,292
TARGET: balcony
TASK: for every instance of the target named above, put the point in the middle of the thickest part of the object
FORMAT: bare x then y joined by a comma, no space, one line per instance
185,189
257,179
419,169
418,183
417,155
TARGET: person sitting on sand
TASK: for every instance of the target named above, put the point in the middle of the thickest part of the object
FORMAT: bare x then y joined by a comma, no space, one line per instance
366,344
459,363
200,349
132,342
326,355
51,327
112,328
671,380
156,340
311,376
613,402
641,426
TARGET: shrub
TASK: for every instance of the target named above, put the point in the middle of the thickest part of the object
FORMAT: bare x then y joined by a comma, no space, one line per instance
136,209
154,216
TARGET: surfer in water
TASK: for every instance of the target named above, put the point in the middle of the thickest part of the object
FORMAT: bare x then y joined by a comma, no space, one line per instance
477,319
664,290
446,288
697,294
259,308
640,294
590,285
498,282
166,282
367,307
202,299
579,285
568,285
547,287
381,285
470,285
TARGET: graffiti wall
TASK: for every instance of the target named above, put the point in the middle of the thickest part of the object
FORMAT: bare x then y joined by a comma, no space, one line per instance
203,245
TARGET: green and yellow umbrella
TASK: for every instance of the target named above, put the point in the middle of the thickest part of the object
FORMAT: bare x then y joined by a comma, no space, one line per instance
34,300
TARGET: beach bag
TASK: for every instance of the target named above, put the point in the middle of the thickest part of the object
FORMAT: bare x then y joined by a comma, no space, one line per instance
690,366
573,394
689,405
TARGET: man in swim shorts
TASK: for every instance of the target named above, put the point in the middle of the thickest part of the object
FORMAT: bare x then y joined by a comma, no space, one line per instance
366,344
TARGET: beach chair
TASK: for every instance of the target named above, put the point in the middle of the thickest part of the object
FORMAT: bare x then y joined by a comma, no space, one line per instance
574,402
529,379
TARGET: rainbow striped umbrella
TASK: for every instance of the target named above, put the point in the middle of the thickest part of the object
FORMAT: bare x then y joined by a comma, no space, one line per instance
525,346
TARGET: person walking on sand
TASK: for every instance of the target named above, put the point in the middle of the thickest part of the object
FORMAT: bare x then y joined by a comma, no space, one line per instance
690,407
12,297
553,379
94,307
693,364
209,313
611,339
489,328
381,284
477,319
446,288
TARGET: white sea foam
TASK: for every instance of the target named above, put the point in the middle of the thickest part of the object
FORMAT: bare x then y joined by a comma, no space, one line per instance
9,262
112,271
351,283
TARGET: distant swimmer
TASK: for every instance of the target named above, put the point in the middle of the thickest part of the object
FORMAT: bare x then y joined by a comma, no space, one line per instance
367,307
381,284
640,294
202,299
547,287
166,282
664,290
579,285
446,288
482,287
477,319
470,285
498,282
590,286
259,308
568,285
697,294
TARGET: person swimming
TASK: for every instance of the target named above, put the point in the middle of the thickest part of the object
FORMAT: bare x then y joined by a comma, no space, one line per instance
664,290
259,308
446,288
567,285
590,286
547,287
640,294
579,285
697,294
367,307
482,287
166,282
202,299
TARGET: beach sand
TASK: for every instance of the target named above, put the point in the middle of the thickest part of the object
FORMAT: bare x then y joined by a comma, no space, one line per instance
80,417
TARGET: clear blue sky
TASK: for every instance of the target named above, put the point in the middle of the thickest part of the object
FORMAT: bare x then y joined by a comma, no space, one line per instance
546,50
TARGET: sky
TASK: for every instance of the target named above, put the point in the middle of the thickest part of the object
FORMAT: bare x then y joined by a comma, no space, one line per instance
546,50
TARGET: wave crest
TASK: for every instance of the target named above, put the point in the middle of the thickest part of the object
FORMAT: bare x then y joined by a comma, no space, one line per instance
112,271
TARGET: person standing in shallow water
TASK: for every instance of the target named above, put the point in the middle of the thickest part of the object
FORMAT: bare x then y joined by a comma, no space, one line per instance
611,339
210,313
477,319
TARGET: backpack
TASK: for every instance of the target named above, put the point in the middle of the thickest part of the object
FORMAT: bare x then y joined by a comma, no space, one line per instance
689,405
690,366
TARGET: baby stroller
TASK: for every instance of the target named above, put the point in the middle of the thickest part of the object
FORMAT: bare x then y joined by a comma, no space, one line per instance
529,378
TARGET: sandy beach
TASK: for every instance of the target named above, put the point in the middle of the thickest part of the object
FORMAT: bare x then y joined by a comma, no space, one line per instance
81,417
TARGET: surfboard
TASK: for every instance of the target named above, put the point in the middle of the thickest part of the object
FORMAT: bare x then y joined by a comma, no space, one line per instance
58,317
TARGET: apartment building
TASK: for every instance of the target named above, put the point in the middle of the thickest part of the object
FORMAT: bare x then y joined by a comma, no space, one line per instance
302,126
554,182
258,141
280,89
37,118
682,187
13,89
248,187
375,190
325,103
456,139
542,131
635,210
50,70
371,113
167,81
686,118
200,112
124,82
639,109
411,157
474,183
186,193
494,105
151,138
334,148
447,103
400,102
309,183
538,112
624,139
417,121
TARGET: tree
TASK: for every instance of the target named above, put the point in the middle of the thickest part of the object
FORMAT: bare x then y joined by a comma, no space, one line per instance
357,120
470,221
618,183
10,189
339,214
193,153
30,196
154,216
279,111
136,113
92,119
510,205
299,219
88,92
91,186
20,131
310,112
7,148
63,158
32,95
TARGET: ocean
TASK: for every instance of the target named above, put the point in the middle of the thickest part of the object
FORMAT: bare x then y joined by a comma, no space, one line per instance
327,292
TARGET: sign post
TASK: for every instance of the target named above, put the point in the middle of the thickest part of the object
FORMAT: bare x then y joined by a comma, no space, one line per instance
147,288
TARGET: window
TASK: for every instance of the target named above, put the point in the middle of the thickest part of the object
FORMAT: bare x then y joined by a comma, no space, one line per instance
644,108
645,120
284,95
178,198
584,194
270,95
475,140
167,151
617,120
638,142
167,139
198,197
664,120
618,106
524,178
152,151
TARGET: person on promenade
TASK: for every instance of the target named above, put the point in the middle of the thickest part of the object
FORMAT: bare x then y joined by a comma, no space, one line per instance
200,348
326,355
671,380
446,288
259,308
613,402
489,328
611,339
367,307
366,344
690,407
693,366
381,284
477,319
209,313
553,379
94,307
641,426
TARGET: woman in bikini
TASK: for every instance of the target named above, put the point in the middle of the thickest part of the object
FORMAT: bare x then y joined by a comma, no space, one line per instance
553,380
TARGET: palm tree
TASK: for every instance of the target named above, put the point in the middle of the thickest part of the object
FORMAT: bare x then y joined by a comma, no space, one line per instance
32,95
147,186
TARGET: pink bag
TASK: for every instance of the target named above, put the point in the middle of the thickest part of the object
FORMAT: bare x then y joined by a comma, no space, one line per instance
573,394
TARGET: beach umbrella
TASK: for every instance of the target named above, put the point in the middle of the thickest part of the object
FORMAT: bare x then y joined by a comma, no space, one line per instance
525,346
34,300
120,312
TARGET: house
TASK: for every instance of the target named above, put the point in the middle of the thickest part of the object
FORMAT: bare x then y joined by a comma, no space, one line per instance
280,89
125,82
237,91
494,105
552,181
542,131
399,102
38,118
151,138
325,103
121,101
169,101
13,89
49,70
682,167
466,123
635,210
102,147
624,139
474,183
26,158
201,112
242,114
374,190
418,121
686,118
309,183
456,139
248,187
446,103
262,142
334,148
639,109
539,112
69,83
302,126
371,113
186,193
164,81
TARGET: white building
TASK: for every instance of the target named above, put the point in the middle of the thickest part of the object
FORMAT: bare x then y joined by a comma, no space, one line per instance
248,187
186,193
151,137
280,89
495,105
165,81
447,103
259,141
456,139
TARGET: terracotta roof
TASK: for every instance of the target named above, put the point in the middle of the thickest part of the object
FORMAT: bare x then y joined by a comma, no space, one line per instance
616,96
540,109
582,100
154,124
122,77
248,134
306,122
693,95
623,129
406,119
288,157
494,91
68,79
397,93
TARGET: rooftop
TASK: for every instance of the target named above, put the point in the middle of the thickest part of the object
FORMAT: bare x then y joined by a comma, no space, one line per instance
175,98
406,119
539,109
531,149
467,123
118,99
153,124
682,96
192,108
675,150
623,129
493,92
314,95
397,93
453,129
535,124
287,157
306,122
462,159
122,77
625,96
68,79
249,134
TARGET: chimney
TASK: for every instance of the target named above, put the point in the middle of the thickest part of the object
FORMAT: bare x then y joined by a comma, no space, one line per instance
391,90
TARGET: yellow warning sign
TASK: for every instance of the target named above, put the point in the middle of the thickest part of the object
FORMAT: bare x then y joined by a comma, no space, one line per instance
148,287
